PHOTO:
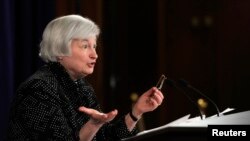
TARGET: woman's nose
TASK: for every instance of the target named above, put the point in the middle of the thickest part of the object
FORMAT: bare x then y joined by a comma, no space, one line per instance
94,54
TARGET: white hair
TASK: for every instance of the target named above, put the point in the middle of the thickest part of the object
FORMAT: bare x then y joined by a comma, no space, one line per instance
59,32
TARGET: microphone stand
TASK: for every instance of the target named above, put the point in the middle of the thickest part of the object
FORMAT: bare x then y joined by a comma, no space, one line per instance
185,84
172,84
198,91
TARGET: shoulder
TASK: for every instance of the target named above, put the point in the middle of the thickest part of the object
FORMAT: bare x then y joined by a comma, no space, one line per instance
42,83
42,77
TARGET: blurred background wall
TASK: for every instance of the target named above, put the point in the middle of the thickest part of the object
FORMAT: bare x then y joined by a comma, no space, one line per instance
205,42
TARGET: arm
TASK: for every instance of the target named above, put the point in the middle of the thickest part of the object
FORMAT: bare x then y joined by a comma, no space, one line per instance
97,120
36,115
147,102
88,131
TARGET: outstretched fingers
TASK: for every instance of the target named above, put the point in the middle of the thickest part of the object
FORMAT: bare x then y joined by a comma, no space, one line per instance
99,117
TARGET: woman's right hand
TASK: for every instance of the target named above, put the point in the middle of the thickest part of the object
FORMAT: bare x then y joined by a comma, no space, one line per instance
97,117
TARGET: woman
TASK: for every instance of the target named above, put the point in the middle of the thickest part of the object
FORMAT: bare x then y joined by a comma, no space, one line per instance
57,103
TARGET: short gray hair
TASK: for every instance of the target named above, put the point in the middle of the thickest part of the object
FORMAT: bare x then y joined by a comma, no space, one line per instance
59,32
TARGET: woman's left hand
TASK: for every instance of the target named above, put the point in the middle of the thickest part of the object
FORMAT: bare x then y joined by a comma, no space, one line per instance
147,102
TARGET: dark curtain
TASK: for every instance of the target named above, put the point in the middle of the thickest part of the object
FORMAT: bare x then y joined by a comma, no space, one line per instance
21,29
7,60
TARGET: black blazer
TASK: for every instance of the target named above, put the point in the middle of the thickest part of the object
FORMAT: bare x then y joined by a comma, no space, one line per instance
46,105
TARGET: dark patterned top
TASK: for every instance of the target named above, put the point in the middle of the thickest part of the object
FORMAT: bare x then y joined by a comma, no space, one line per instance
46,108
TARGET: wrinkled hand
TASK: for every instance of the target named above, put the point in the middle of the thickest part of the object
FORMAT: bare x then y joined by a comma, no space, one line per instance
97,117
148,101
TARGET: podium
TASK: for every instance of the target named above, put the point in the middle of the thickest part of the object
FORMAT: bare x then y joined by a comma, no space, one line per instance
194,129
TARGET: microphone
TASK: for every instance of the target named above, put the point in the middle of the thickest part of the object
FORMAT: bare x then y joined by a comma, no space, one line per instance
184,83
172,83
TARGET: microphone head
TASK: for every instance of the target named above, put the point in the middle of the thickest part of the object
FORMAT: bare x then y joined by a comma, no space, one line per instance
183,83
